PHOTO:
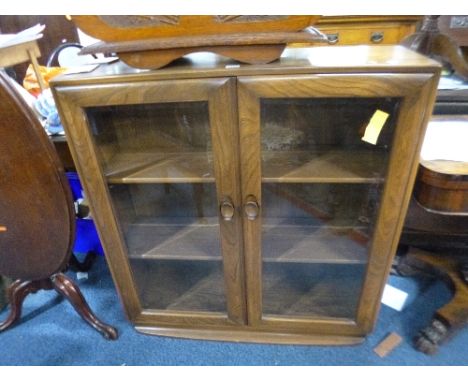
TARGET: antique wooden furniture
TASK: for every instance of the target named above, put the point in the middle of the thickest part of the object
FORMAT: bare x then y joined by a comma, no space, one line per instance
4,282
153,41
438,240
153,32
442,186
437,220
456,27
436,229
240,202
37,216
367,30
431,42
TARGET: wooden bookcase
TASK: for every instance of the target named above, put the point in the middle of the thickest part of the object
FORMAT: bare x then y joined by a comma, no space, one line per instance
239,202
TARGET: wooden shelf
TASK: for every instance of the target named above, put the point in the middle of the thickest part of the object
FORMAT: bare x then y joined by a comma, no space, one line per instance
308,290
335,166
311,290
326,244
198,240
174,239
180,286
182,167
277,166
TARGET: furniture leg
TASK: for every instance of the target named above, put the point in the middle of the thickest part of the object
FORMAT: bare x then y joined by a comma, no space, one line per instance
37,70
431,42
17,292
67,288
450,317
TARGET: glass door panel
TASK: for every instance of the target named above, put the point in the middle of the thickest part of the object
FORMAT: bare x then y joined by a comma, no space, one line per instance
158,162
321,184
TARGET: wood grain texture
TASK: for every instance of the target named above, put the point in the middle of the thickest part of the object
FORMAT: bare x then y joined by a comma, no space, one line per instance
444,47
353,30
452,169
35,198
455,313
142,92
203,42
235,118
12,55
252,48
83,152
251,54
410,88
99,27
249,336
316,60
367,19
249,138
412,121
218,93
442,186
225,137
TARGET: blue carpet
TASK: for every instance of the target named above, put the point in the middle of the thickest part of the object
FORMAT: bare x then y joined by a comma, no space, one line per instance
51,333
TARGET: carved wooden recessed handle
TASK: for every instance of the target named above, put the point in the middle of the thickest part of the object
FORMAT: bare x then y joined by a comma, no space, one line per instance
227,209
251,207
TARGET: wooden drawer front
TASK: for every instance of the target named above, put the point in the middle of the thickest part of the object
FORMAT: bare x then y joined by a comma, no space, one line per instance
373,34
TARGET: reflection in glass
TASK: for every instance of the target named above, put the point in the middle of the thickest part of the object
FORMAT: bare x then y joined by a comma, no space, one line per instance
157,160
321,187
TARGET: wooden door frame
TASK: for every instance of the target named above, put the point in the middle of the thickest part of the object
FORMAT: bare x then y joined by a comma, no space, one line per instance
220,93
416,90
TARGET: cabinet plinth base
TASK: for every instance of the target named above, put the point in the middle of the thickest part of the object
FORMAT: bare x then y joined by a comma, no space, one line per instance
250,336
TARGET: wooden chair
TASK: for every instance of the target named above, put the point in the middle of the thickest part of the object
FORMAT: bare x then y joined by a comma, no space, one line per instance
37,219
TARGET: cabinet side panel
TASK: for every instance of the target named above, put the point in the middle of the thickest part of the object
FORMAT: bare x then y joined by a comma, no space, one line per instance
414,114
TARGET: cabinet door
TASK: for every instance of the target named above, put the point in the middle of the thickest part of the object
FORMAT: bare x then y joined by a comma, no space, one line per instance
323,202
159,161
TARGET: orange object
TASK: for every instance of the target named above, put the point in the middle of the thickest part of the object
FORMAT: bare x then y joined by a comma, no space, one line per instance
31,83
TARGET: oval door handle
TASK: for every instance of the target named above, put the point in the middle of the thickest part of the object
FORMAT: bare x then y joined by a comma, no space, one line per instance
251,207
377,37
227,209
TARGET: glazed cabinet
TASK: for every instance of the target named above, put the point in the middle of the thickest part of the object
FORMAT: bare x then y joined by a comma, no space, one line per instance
252,203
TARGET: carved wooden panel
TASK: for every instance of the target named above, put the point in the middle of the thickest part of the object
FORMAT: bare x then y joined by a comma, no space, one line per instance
248,18
137,21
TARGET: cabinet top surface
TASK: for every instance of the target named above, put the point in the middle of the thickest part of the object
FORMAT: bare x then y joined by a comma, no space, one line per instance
309,60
